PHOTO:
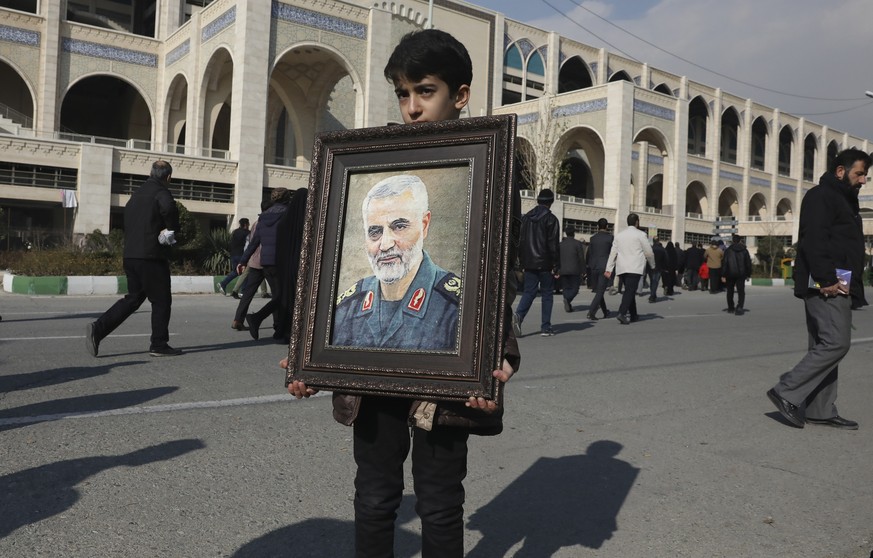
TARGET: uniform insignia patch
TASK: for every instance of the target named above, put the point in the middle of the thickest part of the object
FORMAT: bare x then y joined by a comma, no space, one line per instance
347,294
417,299
453,285
368,301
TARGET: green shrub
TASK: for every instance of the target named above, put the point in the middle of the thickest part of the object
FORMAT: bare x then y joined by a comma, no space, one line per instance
215,255
65,261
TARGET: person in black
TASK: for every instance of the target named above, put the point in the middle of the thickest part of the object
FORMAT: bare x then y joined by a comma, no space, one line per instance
735,269
149,214
668,276
693,261
655,273
572,267
598,254
830,239
540,256
237,246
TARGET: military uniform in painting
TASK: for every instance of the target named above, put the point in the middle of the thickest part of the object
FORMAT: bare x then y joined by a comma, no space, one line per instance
426,318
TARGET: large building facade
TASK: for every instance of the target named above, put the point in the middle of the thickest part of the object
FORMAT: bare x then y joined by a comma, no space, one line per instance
232,93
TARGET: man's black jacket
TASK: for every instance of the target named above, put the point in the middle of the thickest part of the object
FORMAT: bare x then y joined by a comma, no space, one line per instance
540,240
150,210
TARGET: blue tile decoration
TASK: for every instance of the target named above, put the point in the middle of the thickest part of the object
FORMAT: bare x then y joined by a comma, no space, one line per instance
107,52
528,118
221,22
654,110
594,66
860,198
174,55
317,20
759,181
699,169
580,108
786,187
20,36
731,176
526,47
561,57
507,40
655,159
544,52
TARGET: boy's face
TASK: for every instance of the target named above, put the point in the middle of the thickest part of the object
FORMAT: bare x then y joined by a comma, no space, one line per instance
429,100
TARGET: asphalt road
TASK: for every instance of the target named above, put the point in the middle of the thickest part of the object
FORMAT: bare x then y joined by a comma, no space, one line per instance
648,440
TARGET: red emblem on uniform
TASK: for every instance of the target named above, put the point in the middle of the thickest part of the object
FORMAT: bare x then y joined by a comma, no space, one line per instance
417,299
368,301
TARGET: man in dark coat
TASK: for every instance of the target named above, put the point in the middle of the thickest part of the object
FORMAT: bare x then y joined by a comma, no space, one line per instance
736,268
572,267
150,220
598,254
830,245
693,261
540,255
656,272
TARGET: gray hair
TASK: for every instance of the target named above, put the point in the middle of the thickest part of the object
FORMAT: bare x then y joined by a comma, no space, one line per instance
394,186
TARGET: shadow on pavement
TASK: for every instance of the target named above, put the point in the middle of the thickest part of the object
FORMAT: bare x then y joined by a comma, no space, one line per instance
58,409
36,494
43,378
558,502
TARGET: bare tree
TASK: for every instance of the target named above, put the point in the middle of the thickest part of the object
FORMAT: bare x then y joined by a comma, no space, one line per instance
542,165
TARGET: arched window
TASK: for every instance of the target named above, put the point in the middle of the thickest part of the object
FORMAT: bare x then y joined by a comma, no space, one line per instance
786,144
809,149
759,143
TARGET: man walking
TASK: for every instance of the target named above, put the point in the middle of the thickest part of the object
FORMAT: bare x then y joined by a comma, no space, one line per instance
735,269
713,257
658,270
539,254
572,267
830,245
150,219
628,257
237,246
598,254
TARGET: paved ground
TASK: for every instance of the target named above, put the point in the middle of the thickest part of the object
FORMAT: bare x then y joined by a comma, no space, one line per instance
649,440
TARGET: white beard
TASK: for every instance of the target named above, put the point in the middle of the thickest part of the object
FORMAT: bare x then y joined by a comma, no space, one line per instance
393,272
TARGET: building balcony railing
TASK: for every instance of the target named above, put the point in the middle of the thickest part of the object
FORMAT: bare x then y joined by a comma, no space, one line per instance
692,215
574,199
649,209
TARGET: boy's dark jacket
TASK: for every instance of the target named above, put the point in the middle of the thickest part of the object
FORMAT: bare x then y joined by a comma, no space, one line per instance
830,237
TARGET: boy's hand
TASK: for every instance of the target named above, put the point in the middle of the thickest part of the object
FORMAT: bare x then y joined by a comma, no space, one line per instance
503,374
297,388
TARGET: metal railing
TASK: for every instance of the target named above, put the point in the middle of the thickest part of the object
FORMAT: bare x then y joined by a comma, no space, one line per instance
19,118
38,176
180,188
692,215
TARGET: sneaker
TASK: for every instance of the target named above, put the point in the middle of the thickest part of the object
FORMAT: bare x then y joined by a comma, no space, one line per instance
221,289
547,332
234,294
516,324
91,341
166,350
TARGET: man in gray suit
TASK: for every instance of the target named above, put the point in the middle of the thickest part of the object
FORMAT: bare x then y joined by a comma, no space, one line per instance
598,254
628,257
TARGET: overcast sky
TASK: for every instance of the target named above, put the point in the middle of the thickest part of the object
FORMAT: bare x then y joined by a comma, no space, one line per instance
810,48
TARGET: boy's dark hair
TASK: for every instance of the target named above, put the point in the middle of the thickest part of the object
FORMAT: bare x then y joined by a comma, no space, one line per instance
633,219
847,158
243,222
570,232
602,223
161,170
430,52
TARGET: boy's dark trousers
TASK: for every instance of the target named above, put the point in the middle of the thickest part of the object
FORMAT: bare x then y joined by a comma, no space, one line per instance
439,465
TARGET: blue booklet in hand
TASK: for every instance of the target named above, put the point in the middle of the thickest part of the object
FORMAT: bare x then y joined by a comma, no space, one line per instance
844,277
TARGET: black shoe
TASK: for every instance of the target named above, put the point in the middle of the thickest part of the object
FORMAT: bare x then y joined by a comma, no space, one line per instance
166,350
836,421
547,332
592,317
266,295
729,310
790,411
634,319
739,311
623,319
234,294
254,326
606,313
91,341
652,299
567,306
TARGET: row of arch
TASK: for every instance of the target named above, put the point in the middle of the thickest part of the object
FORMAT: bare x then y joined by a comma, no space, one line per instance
312,88
580,152
524,79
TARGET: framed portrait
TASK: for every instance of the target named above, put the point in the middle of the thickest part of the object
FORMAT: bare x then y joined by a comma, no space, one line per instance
405,260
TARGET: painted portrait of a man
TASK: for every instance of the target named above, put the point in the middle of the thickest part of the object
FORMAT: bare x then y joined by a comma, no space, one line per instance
409,301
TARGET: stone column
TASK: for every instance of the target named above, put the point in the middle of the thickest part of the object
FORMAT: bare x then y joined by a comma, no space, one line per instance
617,148
194,108
553,64
47,117
378,111
639,199
714,153
679,164
772,154
94,189
248,101
169,18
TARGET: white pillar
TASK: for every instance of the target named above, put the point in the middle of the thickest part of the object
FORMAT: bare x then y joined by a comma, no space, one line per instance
616,149
94,189
377,112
